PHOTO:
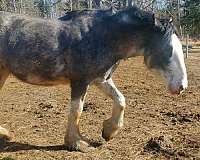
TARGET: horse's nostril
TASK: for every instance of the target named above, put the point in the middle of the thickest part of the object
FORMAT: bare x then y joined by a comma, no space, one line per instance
181,88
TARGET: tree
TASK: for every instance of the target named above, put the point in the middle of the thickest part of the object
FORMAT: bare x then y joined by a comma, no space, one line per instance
191,18
44,7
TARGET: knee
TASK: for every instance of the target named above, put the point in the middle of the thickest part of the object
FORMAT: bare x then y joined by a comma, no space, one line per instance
121,101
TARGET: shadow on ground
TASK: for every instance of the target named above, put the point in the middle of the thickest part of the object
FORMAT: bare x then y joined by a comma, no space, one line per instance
16,146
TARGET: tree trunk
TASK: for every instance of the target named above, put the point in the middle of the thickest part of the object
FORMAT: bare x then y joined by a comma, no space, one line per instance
71,5
21,6
129,3
90,4
14,6
97,4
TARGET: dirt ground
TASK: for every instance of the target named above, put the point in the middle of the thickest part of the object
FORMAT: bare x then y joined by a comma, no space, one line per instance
157,125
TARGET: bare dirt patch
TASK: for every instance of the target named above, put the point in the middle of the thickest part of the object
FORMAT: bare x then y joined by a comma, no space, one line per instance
157,125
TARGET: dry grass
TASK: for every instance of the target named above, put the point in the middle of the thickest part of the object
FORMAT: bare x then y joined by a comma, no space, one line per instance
194,43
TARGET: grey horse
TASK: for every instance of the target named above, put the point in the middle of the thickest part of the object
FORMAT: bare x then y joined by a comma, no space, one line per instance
81,51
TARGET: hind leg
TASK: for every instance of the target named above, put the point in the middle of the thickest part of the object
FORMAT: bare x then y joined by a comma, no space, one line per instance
4,134
112,125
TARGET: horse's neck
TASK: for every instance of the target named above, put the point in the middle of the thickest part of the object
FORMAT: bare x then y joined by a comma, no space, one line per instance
126,42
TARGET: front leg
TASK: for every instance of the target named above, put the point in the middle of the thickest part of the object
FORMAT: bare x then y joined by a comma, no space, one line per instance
112,125
73,138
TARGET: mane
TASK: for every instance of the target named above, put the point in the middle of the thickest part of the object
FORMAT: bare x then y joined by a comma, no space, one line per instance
138,16
89,13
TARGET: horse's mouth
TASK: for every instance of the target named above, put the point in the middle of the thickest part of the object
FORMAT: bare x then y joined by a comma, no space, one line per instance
177,91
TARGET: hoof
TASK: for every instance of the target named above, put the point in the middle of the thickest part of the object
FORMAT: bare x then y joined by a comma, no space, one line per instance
80,145
109,130
106,136
4,135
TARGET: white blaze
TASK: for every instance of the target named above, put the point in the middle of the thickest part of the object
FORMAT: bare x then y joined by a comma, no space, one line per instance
176,73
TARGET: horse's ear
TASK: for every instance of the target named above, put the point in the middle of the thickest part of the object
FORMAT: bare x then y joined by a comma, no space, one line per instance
170,19
156,22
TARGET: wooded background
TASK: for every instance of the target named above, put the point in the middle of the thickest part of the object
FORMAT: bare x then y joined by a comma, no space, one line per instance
185,13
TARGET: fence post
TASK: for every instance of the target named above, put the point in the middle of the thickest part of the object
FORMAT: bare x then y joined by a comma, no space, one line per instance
187,45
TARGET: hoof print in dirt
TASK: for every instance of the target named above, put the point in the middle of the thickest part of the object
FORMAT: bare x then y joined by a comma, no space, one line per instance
177,117
152,145
164,146
159,145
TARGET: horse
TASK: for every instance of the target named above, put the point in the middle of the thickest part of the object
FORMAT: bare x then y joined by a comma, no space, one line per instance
83,51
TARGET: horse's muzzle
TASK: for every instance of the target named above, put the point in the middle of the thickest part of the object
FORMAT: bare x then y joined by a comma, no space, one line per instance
177,90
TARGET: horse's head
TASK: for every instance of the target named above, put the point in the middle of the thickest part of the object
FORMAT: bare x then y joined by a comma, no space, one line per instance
164,53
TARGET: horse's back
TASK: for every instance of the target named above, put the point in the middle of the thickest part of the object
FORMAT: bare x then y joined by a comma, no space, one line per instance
50,50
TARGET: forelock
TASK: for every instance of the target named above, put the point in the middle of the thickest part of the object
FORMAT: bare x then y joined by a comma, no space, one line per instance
165,27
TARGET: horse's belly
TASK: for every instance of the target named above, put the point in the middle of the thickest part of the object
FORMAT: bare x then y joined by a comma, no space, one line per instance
38,80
